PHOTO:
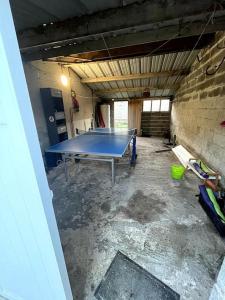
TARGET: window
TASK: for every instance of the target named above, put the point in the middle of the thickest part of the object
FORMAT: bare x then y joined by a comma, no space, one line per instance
147,105
121,114
156,105
165,105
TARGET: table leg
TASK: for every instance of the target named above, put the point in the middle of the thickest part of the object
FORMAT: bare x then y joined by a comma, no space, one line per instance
65,167
113,171
134,152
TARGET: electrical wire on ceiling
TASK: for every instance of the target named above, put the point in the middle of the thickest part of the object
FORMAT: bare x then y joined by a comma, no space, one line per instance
107,48
117,72
170,39
186,60
213,70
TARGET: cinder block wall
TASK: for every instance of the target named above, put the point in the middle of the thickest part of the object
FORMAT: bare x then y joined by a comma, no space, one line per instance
155,123
199,107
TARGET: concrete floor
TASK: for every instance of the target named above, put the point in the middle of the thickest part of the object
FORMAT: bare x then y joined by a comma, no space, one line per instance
157,224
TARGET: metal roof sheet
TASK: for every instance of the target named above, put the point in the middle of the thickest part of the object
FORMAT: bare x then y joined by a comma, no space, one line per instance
138,65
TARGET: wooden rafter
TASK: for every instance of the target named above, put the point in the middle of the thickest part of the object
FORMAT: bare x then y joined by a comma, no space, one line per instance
134,89
150,98
170,97
135,76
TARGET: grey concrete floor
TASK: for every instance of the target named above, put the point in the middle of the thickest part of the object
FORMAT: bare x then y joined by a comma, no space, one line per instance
145,215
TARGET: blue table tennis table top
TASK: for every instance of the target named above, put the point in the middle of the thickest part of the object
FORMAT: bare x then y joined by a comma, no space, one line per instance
99,142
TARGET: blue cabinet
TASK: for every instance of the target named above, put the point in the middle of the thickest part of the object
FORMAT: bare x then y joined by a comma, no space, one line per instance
52,102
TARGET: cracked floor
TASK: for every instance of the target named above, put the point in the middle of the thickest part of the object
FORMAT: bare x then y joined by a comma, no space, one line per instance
145,215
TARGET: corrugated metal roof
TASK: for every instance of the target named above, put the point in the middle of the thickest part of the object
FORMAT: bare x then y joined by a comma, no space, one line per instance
32,13
138,65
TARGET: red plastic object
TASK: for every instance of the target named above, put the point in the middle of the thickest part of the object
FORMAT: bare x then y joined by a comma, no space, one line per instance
222,124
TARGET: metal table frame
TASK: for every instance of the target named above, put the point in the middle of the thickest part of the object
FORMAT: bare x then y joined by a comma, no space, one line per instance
86,156
75,156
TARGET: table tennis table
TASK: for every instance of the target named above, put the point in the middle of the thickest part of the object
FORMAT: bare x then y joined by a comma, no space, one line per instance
99,144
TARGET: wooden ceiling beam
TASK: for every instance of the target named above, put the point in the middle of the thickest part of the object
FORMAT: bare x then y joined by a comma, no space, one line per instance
150,98
135,76
135,89
153,48
170,97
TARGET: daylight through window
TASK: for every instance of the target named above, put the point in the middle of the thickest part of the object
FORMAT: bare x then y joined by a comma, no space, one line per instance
156,105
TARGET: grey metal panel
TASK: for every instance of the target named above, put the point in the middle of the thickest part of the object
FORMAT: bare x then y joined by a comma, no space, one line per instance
105,68
164,62
112,85
80,69
32,13
152,81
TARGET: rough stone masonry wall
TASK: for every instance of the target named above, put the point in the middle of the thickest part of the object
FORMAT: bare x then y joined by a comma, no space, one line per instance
199,107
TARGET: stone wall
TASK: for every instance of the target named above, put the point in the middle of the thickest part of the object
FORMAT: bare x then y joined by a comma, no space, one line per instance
155,123
47,74
199,107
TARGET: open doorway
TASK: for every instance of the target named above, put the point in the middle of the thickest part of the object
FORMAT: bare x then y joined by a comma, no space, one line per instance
121,114
84,70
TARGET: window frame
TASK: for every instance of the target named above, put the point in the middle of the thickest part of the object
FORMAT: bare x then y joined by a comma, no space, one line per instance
169,107
148,100
151,100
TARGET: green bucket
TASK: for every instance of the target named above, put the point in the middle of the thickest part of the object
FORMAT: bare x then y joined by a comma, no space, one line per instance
177,172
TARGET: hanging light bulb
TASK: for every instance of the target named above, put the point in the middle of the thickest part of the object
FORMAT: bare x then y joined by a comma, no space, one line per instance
64,80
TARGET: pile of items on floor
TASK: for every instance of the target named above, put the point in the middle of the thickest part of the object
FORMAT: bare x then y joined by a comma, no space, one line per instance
211,197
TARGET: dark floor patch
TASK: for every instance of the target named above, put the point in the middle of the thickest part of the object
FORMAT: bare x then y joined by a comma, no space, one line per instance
143,209
127,280
105,207
73,211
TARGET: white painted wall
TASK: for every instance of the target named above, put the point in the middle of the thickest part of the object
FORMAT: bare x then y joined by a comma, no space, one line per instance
41,74
218,290
31,259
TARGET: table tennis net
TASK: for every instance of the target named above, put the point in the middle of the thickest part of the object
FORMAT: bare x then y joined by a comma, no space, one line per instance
103,131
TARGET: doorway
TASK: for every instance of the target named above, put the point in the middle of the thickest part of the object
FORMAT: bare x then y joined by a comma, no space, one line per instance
121,114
